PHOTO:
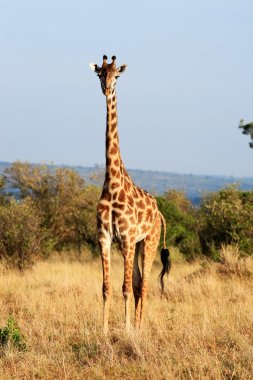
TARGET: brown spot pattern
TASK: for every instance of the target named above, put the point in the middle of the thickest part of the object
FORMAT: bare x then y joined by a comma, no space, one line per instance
113,151
122,196
113,127
129,211
126,185
122,220
106,196
123,226
102,207
106,226
103,211
113,171
120,206
132,219
140,204
115,185
145,228
140,216
149,213
130,200
148,201
131,230
116,214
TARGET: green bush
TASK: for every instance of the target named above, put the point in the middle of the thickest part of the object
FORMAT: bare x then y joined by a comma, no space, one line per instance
181,222
56,210
66,206
86,219
2,192
226,218
11,337
21,235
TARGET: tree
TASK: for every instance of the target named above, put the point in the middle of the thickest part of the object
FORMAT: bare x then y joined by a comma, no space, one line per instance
181,222
2,193
226,217
67,207
247,129
21,235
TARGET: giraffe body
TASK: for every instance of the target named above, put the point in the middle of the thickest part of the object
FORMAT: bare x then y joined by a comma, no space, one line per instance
125,212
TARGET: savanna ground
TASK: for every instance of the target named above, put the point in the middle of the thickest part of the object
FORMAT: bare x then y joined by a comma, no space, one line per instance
201,329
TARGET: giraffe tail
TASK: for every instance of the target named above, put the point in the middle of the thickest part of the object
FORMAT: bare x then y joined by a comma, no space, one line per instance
165,256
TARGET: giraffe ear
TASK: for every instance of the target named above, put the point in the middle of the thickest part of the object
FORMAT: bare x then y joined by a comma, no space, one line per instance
121,69
94,67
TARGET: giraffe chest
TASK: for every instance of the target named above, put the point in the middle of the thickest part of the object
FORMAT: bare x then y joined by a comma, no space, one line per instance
126,216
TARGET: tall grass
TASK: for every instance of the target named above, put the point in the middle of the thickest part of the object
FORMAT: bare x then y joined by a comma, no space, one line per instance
201,329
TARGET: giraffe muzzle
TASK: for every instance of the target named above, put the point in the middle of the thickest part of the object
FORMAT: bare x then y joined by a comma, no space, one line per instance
107,91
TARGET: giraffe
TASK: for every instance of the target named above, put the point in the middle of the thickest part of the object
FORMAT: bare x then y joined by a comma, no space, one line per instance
126,213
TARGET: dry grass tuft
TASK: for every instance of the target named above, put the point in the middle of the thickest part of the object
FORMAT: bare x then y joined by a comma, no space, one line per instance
233,263
202,329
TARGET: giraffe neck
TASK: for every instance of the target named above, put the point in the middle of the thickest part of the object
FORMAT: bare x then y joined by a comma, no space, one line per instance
113,158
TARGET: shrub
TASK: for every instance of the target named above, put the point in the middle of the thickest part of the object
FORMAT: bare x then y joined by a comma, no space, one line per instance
2,192
10,336
232,264
86,219
181,222
226,218
21,236
66,206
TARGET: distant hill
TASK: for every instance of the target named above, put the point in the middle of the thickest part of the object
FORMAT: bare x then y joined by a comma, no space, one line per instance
156,182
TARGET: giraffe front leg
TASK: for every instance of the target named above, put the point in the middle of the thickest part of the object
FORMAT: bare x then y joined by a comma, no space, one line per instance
128,249
105,245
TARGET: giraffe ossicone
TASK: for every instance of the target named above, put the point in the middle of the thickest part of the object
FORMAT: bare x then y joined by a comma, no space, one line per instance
125,212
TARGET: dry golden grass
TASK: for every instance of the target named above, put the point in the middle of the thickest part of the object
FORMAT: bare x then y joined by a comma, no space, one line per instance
201,329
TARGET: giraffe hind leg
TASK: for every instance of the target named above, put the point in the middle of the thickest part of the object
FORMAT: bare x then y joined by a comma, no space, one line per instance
137,284
128,250
151,243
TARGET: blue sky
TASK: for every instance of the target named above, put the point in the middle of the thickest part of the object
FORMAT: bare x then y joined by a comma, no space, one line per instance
189,82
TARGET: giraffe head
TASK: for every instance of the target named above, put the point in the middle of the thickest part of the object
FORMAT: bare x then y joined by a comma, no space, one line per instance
108,74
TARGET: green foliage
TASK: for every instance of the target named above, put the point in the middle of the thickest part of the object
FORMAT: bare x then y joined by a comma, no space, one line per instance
87,218
66,206
11,337
247,129
21,235
181,222
2,192
226,217
56,210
